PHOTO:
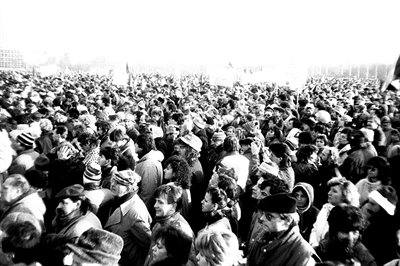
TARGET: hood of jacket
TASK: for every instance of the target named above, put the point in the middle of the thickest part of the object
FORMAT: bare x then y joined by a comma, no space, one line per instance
309,190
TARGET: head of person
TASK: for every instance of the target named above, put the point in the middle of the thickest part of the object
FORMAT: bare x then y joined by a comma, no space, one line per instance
278,212
109,156
268,184
172,246
87,141
172,132
168,200
14,187
386,123
373,122
95,247
382,202
218,138
60,134
345,135
124,182
217,248
321,140
214,199
307,154
357,139
72,200
341,191
304,195
102,127
24,141
378,169
395,136
189,147
177,171
328,155
231,144
144,144
92,174
345,226
118,137
230,131
280,154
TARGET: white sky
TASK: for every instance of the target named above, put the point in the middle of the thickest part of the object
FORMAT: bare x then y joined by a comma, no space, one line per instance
206,32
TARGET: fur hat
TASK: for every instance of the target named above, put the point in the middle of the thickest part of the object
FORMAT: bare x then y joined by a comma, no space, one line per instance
97,247
26,139
278,203
92,173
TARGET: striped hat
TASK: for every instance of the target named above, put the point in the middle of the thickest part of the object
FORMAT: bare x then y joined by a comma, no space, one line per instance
92,173
127,177
26,139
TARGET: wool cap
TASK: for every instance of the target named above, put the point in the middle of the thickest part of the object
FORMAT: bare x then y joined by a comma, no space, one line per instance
278,203
26,139
97,246
192,141
126,177
74,191
92,173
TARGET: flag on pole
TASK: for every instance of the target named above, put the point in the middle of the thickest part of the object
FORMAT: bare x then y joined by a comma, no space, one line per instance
392,81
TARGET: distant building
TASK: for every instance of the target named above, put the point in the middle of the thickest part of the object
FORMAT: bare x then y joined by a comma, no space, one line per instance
11,59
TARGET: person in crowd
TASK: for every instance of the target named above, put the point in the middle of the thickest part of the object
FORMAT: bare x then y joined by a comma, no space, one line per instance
321,141
177,173
344,242
90,148
281,244
304,195
353,167
217,248
343,143
250,148
379,139
306,167
341,191
18,196
131,126
24,146
377,175
215,200
380,234
123,142
73,213
170,136
148,167
189,147
172,247
167,213
129,218
279,154
108,161
44,143
393,146
215,153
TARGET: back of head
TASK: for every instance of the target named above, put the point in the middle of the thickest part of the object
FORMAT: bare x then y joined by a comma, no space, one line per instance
345,218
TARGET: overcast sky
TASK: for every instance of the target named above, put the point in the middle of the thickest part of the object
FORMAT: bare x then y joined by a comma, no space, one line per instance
201,32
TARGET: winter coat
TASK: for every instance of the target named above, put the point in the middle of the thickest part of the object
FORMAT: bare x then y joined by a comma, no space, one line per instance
197,190
77,227
288,249
308,215
321,226
30,203
6,151
131,221
23,162
150,169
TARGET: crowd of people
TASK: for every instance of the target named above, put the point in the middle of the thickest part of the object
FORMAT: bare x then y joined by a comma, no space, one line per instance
177,171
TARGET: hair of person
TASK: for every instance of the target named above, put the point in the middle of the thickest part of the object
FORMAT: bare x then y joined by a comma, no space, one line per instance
218,196
350,193
87,139
345,218
277,132
305,138
357,138
305,152
322,137
231,144
85,206
118,134
126,162
191,154
180,168
276,185
296,122
146,143
230,187
282,151
111,153
177,243
383,167
62,130
178,117
219,248
20,182
103,125
172,193
333,154
348,131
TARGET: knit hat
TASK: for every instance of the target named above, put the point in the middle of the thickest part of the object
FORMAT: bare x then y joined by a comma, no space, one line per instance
97,246
127,177
267,168
192,141
74,191
42,163
26,139
199,122
278,203
219,136
92,173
